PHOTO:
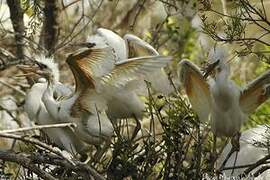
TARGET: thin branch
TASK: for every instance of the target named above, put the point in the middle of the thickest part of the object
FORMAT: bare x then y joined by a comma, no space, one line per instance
140,6
37,158
38,127
12,87
26,162
36,142
255,165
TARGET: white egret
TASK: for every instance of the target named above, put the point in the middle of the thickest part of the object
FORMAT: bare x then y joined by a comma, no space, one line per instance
131,46
249,152
219,97
35,108
97,77
124,102
83,107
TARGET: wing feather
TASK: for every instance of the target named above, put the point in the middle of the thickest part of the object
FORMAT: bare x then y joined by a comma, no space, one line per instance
87,65
138,47
197,89
134,68
255,93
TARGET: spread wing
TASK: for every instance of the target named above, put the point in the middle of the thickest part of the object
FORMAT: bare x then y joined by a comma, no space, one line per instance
134,68
255,93
138,47
115,42
90,63
87,65
197,89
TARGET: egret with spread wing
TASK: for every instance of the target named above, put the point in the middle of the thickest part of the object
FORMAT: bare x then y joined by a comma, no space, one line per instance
84,107
112,83
121,94
131,46
219,97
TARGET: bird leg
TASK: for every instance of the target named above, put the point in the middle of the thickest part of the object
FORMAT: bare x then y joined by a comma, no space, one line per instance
235,142
214,152
226,159
137,128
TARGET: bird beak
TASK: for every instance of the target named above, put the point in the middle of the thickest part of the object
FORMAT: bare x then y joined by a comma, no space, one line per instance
209,69
29,70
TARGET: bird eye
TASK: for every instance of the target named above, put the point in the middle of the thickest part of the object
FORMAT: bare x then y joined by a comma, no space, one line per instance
218,69
42,66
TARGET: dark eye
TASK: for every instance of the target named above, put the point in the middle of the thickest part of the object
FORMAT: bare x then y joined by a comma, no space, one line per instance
218,69
42,66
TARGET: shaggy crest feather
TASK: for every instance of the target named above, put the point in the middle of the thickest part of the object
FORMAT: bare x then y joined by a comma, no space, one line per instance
49,62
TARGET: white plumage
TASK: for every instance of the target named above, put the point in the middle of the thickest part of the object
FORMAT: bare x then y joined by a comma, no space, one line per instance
120,92
219,97
36,110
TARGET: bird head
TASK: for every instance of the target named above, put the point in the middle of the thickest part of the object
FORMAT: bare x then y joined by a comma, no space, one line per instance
43,67
219,65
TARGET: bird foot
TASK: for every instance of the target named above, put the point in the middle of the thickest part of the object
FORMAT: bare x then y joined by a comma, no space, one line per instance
137,128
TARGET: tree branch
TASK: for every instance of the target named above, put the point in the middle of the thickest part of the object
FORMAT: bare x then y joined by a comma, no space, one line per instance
38,127
16,16
50,29
25,161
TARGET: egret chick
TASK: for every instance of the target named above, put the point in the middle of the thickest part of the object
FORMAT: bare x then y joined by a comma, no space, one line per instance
37,112
219,97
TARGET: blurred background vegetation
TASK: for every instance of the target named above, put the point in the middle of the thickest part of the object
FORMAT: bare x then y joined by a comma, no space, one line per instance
172,144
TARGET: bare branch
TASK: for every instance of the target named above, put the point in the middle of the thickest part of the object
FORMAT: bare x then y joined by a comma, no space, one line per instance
36,158
26,162
38,127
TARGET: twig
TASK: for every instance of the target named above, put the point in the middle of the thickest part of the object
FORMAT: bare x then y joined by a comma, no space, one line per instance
38,127
255,165
12,87
37,158
26,162
36,142
139,7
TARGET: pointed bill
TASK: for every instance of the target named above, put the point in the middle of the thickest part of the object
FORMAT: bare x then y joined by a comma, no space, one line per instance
134,68
196,88
255,93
